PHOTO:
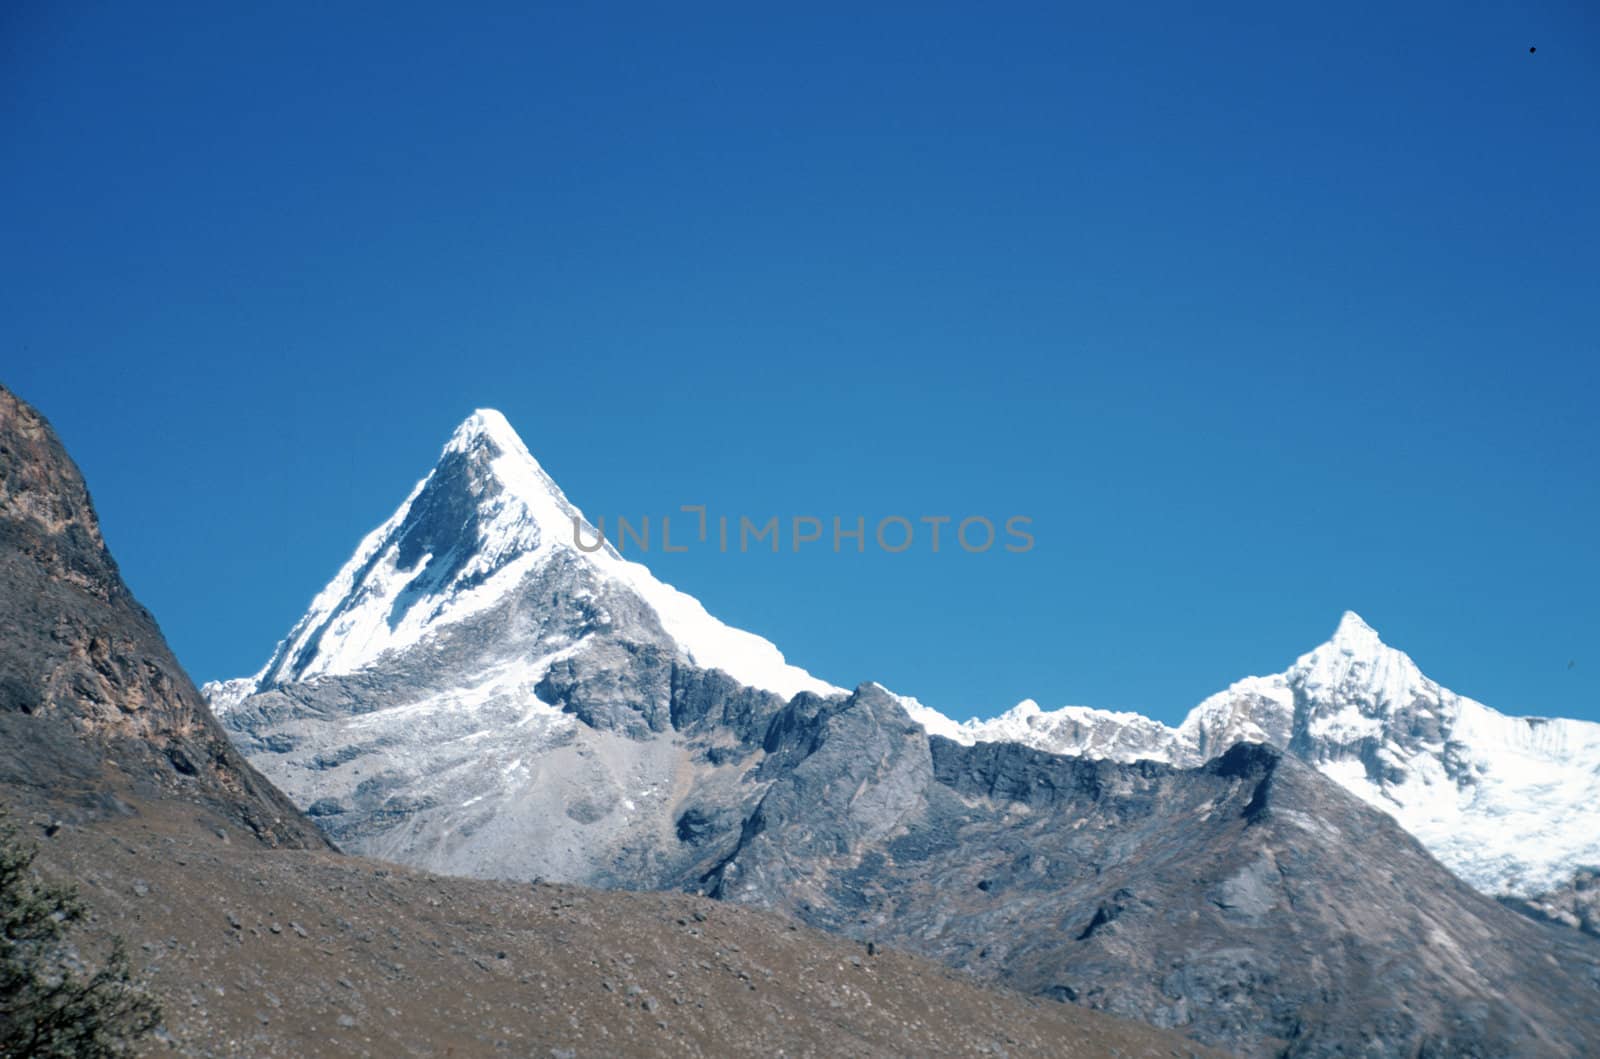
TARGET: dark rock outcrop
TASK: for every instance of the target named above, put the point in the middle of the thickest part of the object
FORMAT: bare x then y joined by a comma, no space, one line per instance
93,707
1575,905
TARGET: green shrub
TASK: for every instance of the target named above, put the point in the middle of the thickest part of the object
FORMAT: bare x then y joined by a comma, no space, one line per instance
49,1004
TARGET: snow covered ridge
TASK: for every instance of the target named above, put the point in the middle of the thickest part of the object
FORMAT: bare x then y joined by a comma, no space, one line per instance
1511,804
484,519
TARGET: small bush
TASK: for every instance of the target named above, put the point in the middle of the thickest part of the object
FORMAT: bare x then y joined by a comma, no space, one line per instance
51,1006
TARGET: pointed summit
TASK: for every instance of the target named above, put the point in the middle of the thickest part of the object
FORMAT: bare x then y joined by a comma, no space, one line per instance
1358,671
1024,709
488,430
475,534
487,422
468,532
1354,633
491,452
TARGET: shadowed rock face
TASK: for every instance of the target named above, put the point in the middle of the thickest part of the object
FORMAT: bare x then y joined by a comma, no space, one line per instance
92,703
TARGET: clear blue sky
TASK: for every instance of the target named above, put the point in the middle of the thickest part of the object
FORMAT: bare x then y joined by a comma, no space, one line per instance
1259,316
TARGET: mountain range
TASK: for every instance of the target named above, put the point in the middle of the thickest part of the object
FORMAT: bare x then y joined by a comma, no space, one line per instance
260,939
475,694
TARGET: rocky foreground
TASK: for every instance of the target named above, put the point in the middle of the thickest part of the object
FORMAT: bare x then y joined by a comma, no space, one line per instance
261,952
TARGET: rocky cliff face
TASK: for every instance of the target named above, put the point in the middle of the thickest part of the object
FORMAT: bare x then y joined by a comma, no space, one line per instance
92,703
567,723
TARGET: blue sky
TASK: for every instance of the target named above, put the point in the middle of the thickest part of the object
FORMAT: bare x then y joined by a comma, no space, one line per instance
1258,316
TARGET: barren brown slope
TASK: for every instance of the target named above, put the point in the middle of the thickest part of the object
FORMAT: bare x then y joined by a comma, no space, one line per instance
261,940
263,952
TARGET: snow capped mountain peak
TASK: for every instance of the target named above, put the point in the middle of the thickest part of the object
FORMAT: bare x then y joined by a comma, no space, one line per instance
497,456
467,538
1356,671
511,492
485,585
467,532
487,424
1022,711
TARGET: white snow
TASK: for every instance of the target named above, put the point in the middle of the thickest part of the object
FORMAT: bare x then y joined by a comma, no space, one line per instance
1070,730
224,695
931,719
710,644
